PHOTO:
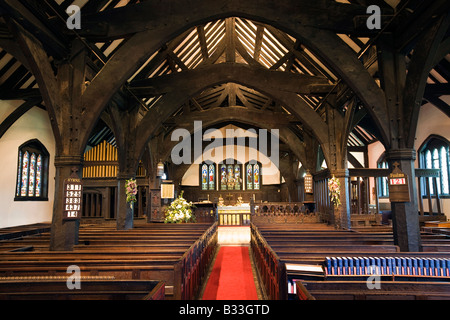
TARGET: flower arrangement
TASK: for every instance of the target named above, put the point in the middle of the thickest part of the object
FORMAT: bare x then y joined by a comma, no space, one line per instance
334,188
131,190
179,211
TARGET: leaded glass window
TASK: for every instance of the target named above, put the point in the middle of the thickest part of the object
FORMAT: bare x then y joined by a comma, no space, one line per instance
208,176
383,186
32,172
253,176
435,155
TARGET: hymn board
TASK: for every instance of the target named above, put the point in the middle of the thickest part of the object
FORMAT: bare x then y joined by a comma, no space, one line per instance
398,185
73,196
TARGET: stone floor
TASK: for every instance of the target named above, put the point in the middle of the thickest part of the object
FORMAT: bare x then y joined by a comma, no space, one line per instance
234,235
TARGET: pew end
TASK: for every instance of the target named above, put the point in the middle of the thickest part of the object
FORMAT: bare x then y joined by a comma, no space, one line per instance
302,292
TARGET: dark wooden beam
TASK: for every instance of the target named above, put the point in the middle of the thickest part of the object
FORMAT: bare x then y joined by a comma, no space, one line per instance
437,89
19,94
291,82
52,40
202,39
420,20
438,103
418,71
147,15
233,113
351,158
230,51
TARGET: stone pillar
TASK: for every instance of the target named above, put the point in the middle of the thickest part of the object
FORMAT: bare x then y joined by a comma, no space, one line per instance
405,216
125,210
341,214
64,234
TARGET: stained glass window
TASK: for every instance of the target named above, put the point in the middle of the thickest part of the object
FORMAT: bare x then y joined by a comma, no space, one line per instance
237,177
38,176
223,177
32,175
208,176
19,174
25,164
256,176
435,155
253,176
204,177
249,177
230,176
212,177
32,172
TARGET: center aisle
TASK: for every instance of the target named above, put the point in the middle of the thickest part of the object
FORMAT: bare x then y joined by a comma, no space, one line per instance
231,277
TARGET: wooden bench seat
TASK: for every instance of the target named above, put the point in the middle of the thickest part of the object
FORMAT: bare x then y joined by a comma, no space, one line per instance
22,231
336,248
358,290
48,289
177,256
303,252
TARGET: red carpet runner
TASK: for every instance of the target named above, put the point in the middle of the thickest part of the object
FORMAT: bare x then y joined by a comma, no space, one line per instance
231,277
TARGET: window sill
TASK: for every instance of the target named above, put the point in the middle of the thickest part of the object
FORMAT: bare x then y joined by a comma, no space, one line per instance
441,196
30,199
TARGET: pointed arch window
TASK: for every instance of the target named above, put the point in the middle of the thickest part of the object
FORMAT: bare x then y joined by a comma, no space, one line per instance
434,154
208,176
383,185
253,176
32,172
230,175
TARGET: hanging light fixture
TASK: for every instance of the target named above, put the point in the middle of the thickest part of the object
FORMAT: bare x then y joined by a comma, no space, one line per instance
308,181
160,169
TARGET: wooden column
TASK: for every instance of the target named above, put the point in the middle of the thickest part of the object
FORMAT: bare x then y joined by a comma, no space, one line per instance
341,214
64,234
125,210
405,217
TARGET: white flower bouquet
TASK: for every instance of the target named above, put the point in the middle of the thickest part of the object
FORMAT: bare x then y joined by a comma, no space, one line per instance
179,211
334,188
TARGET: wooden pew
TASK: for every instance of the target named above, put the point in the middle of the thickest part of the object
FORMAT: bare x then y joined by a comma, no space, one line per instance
303,250
358,290
181,264
57,289
21,231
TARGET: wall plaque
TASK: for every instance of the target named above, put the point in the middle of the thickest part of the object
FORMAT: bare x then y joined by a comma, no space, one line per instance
156,213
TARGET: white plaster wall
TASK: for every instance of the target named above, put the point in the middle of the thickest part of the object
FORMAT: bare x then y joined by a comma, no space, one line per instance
32,125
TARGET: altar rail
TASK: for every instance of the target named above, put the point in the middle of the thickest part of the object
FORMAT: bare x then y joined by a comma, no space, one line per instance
284,212
237,216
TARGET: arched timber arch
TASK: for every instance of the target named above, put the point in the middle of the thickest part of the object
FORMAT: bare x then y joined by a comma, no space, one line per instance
174,20
242,74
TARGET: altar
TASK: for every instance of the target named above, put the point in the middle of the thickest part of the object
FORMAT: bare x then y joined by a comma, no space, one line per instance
238,215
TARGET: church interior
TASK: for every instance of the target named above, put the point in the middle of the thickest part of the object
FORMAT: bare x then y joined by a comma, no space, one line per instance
225,150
